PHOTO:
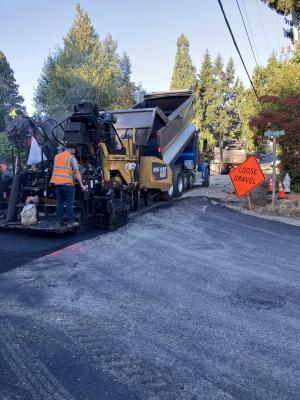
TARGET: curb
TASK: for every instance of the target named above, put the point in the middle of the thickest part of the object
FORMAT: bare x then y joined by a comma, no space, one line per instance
276,218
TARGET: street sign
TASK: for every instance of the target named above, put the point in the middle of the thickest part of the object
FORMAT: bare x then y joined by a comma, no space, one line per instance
246,177
274,133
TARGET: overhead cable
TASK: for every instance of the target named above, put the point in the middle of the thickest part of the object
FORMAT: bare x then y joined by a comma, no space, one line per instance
249,41
250,29
246,30
262,24
237,48
278,31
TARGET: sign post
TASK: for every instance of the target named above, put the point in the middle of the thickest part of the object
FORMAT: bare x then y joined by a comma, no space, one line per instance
246,177
274,135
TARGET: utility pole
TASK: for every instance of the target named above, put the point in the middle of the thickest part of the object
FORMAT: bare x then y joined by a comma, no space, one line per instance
274,135
221,151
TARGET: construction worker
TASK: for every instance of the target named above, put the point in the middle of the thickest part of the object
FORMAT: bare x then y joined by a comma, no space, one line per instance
65,169
13,112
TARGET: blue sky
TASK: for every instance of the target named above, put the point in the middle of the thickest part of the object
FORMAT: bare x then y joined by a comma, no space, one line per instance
146,30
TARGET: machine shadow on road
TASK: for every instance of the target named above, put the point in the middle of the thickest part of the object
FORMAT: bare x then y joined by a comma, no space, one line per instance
18,248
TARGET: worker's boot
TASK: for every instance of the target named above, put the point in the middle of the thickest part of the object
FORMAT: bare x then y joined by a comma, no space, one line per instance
72,224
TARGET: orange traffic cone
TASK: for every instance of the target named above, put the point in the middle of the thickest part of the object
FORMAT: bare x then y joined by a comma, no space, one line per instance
270,185
281,193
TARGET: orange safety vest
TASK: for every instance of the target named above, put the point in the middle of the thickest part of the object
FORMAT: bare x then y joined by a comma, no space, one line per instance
62,170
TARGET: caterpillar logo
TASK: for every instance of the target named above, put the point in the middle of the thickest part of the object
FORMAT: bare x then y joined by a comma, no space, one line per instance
159,171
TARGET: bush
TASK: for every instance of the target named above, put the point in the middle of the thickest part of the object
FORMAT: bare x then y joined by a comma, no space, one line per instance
5,147
282,114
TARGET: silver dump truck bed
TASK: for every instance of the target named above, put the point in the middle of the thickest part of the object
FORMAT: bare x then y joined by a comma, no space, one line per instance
162,122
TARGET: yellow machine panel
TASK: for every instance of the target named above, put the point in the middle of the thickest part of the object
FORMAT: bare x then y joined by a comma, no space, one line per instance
155,174
116,167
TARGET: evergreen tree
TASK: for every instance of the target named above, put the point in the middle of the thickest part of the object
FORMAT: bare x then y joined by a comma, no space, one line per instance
223,110
65,77
125,66
205,94
82,36
9,92
278,78
84,69
5,147
184,74
215,110
286,7
232,87
127,90
216,105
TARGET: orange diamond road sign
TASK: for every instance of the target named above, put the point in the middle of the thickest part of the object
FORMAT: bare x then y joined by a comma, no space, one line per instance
246,177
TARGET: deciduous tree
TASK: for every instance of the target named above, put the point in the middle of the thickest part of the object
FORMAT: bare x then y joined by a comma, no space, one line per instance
282,113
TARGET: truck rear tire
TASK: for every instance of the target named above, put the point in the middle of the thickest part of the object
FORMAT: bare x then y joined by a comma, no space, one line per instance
185,182
179,186
191,180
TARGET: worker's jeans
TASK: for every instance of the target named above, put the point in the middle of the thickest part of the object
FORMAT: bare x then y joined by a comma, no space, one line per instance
64,193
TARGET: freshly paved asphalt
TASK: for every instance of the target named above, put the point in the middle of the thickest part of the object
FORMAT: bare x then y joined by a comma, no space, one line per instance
18,248
189,301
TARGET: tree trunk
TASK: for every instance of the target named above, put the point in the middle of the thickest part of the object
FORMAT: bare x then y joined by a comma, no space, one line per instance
221,152
295,27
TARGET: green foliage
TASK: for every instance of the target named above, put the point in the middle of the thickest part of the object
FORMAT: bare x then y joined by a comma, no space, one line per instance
204,98
282,113
216,112
286,7
277,78
227,122
9,92
296,54
247,107
86,68
5,147
184,72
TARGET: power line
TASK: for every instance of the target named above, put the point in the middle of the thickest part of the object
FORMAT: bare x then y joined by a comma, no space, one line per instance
250,29
246,30
262,24
237,49
278,31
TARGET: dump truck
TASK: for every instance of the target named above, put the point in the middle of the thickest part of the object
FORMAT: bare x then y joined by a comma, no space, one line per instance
127,158
162,122
228,155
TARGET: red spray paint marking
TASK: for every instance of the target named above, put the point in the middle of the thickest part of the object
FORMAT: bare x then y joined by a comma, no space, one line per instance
73,249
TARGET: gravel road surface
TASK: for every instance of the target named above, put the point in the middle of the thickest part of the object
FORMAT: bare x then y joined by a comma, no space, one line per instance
188,301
